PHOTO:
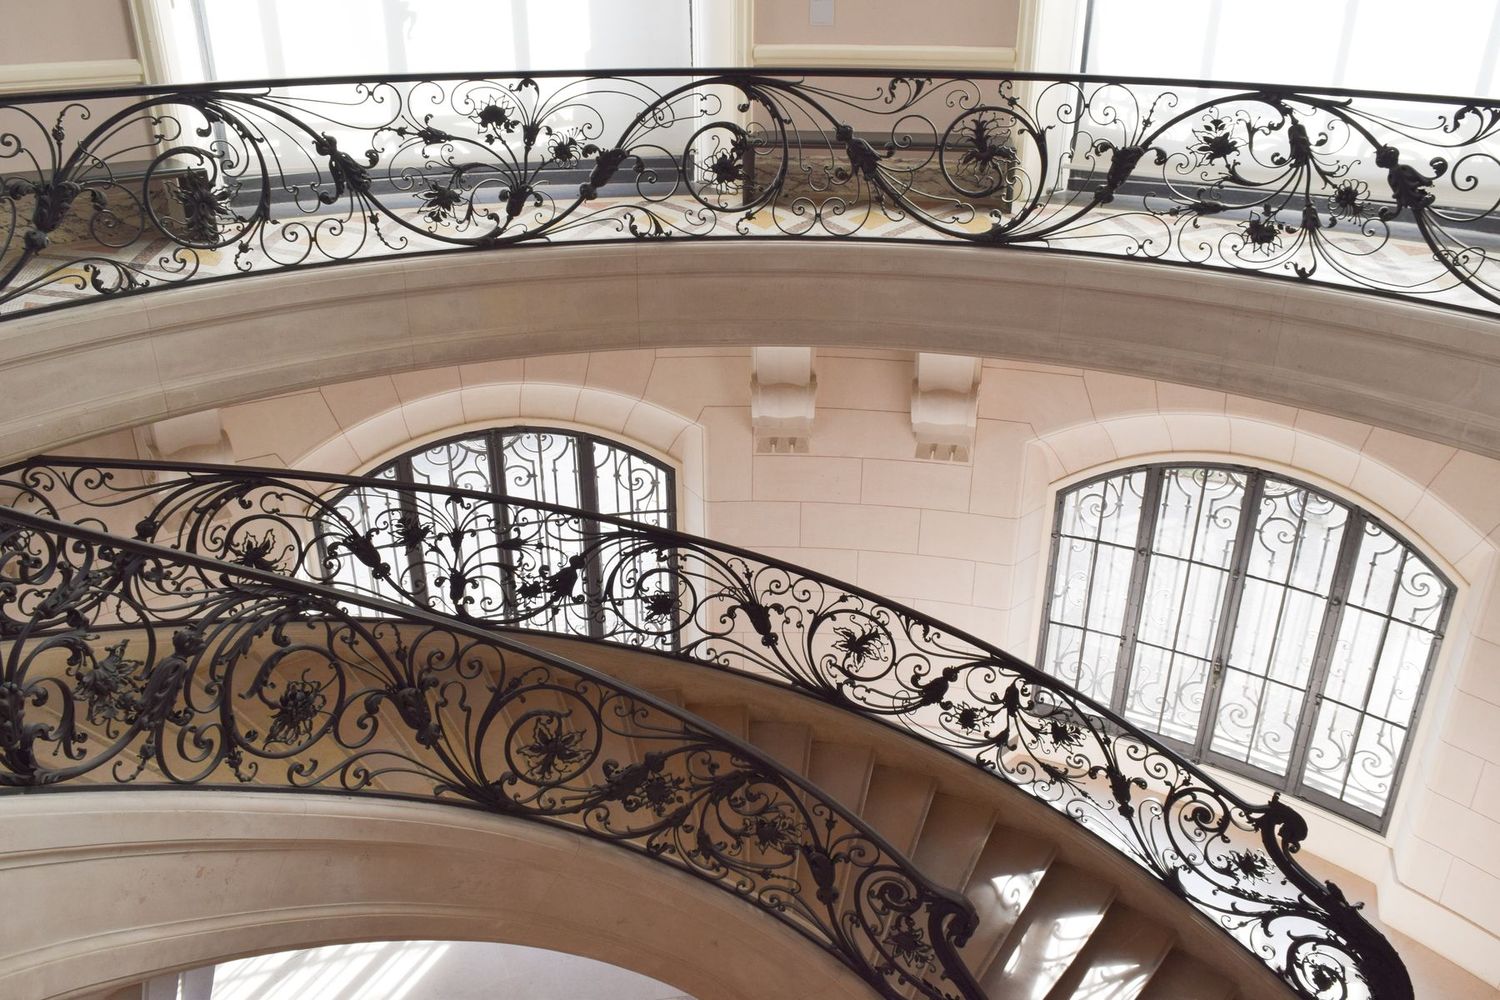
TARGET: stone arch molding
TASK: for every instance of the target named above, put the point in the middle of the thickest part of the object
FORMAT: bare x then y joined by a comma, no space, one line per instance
660,431
1434,511
170,880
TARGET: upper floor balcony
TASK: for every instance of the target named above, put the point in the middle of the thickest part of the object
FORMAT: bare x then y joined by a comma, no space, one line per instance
115,192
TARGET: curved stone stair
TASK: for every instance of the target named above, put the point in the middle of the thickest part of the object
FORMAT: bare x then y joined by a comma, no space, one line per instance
1061,917
1049,930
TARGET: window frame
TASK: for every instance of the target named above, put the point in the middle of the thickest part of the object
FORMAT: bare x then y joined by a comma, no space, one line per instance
400,468
1358,520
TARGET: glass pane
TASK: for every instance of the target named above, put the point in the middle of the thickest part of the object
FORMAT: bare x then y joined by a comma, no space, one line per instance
1379,664
1376,570
1166,693
1373,770
1289,570
1083,660
1071,581
1108,510
463,465
1446,52
1330,749
641,581
1398,678
375,515
1182,606
628,484
1092,562
1354,654
1421,597
254,39
1198,514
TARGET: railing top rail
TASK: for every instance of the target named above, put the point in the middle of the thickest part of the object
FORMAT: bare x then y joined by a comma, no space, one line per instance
131,190
763,72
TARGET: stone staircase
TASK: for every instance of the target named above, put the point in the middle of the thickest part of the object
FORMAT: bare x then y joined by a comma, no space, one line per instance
1060,918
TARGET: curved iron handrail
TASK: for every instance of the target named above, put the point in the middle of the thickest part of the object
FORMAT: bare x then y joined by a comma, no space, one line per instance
131,663
116,191
532,565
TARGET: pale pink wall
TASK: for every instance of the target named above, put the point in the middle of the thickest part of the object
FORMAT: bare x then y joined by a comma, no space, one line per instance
42,31
890,22
968,541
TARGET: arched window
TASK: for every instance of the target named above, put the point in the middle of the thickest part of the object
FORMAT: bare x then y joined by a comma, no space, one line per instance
474,570
1249,620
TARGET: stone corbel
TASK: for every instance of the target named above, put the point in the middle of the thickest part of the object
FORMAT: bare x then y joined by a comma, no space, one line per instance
196,437
783,393
945,406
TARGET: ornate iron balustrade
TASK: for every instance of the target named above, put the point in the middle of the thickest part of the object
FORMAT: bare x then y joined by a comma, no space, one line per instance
114,191
131,664
537,566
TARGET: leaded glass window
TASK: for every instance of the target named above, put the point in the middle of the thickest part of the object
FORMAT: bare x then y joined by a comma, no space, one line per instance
1251,621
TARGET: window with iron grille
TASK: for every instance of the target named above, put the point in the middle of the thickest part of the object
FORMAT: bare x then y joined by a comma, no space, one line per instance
475,559
1252,621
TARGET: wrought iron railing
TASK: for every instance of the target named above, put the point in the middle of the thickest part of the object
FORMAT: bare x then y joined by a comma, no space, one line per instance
523,565
113,191
127,663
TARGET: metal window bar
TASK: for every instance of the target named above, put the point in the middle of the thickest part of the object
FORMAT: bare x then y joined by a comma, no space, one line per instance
1200,748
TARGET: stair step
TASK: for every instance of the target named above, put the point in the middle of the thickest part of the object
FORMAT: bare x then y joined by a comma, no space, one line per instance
1124,951
1054,928
952,839
787,743
733,719
843,771
1182,977
896,805
1007,872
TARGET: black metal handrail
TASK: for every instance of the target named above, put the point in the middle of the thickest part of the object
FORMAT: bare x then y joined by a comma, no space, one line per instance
127,663
108,192
529,565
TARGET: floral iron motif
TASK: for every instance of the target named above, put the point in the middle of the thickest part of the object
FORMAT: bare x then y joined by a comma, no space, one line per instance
247,679
147,188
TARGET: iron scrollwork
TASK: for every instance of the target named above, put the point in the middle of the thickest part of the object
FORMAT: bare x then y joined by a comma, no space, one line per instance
122,663
143,188
523,565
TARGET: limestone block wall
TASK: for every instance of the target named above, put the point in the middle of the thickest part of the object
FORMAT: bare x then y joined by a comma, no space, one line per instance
968,541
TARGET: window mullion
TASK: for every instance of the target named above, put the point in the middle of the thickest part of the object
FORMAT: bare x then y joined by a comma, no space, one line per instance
1135,600
494,446
588,499
416,559
1229,609
1333,621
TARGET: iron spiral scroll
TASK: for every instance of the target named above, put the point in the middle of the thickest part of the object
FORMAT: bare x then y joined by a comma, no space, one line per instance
117,191
128,664
477,560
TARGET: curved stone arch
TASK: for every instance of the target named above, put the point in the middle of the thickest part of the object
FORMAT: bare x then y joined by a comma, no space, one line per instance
172,880
1406,366
655,430
1442,532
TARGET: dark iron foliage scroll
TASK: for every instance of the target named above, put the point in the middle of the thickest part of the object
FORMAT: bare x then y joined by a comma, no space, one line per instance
108,192
126,663
535,566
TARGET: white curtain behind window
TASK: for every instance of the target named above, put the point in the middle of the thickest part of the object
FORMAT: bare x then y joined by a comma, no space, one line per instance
1442,47
258,39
